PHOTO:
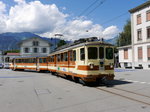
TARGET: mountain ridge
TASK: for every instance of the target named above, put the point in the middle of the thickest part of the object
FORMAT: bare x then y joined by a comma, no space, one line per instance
9,40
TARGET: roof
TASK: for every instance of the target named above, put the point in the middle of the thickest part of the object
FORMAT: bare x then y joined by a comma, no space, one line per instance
34,38
140,7
41,56
13,54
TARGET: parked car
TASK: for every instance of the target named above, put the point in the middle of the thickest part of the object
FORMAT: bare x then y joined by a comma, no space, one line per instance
1,65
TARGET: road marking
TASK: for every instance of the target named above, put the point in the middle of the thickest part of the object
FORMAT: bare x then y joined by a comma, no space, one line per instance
137,82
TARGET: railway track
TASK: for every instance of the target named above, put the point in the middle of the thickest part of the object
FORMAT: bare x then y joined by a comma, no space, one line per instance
130,95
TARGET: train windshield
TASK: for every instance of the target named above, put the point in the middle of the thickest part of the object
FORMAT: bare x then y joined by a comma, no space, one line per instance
109,53
92,53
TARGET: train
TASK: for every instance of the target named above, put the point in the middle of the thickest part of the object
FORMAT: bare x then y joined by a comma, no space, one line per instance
86,60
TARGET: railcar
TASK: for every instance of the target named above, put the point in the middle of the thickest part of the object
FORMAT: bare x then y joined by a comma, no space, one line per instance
30,63
86,60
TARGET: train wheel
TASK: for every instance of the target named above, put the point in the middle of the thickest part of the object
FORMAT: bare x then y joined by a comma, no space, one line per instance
82,82
76,79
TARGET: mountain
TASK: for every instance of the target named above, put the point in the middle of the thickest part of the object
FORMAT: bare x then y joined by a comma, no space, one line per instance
112,41
9,40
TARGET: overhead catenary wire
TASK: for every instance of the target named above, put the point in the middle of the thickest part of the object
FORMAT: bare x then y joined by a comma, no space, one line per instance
84,11
95,7
110,20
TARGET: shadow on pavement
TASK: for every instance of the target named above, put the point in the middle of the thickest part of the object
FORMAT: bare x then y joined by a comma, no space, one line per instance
116,82
111,83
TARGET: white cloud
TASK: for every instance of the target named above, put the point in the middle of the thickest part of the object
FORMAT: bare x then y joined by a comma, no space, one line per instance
48,20
2,7
110,32
2,17
34,17
19,1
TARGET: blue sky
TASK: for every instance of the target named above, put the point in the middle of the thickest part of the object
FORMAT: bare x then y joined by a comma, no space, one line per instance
67,12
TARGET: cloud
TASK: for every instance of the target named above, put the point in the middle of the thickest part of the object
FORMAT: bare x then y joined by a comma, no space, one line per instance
2,7
47,20
34,17
110,32
19,1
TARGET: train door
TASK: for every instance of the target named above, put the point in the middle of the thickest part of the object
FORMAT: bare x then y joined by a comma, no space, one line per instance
71,60
102,59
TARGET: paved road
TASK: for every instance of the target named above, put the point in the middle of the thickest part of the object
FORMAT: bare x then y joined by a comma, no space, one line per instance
42,92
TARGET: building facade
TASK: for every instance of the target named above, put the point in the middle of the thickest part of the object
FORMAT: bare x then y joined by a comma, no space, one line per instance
34,47
137,55
140,25
125,56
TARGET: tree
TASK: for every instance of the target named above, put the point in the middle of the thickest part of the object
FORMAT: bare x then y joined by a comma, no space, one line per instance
125,36
61,43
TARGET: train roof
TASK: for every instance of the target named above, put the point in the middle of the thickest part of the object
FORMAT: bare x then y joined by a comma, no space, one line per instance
31,56
82,42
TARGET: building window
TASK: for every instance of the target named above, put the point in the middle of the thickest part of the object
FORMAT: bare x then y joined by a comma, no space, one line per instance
26,50
125,53
140,54
139,21
35,50
148,15
148,52
148,32
44,50
139,34
35,43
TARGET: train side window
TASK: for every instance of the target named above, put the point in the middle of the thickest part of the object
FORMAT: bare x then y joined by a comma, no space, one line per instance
101,52
58,57
74,55
109,53
61,56
34,60
65,56
70,56
52,59
44,60
82,54
40,60
49,58
92,53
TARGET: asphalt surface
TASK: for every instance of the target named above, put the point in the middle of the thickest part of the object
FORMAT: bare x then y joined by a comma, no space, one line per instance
42,92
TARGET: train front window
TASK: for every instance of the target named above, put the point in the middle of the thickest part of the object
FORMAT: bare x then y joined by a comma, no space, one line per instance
109,53
101,52
92,53
82,54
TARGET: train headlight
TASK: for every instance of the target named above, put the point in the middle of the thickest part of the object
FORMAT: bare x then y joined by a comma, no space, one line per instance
91,66
111,65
